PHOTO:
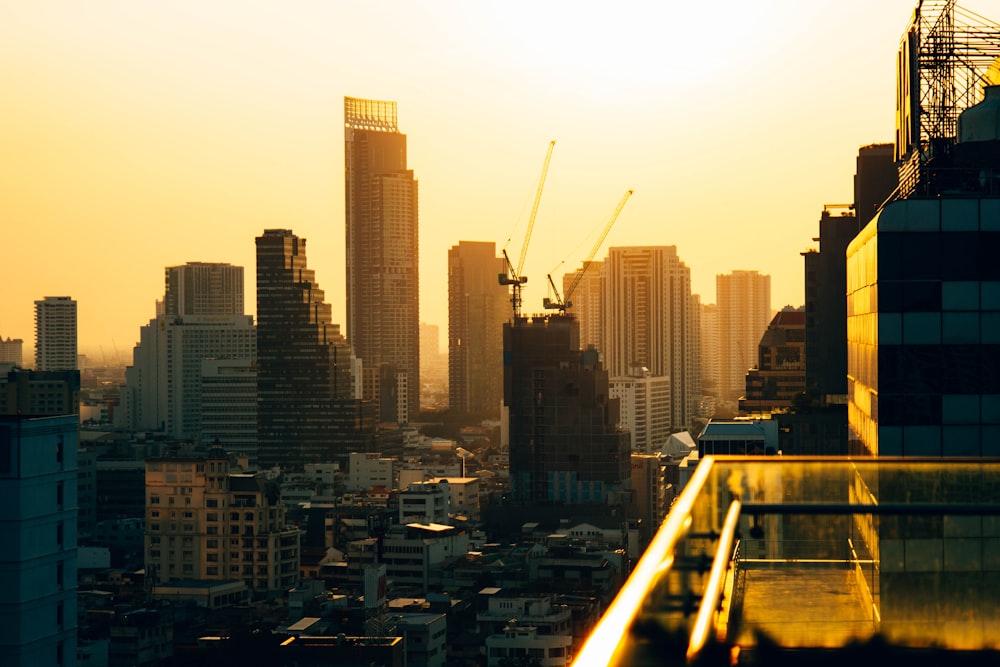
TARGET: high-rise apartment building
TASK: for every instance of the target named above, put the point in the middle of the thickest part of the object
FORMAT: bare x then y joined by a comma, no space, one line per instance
744,306
55,334
383,308
207,522
585,304
477,308
201,317
650,320
565,443
38,543
709,347
306,408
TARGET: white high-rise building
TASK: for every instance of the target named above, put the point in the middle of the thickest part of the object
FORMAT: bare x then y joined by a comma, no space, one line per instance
744,311
644,405
55,334
649,320
199,318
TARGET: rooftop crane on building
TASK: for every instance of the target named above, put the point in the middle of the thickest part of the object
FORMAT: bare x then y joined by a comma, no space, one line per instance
512,275
560,303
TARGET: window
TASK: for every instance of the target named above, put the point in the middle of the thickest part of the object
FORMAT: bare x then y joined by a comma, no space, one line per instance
154,500
211,502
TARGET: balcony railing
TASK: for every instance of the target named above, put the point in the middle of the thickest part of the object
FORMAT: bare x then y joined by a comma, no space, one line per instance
786,555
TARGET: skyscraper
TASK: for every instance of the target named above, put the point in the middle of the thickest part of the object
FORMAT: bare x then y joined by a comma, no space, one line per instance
383,309
650,320
744,302
306,411
55,334
478,306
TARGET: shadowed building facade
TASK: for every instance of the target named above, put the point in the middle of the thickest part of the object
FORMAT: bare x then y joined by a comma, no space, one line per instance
565,445
383,307
478,306
306,411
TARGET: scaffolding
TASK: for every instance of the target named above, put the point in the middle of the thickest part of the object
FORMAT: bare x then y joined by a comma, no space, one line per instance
946,56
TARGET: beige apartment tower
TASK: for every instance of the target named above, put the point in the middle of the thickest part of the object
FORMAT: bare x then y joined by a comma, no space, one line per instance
650,320
478,305
743,300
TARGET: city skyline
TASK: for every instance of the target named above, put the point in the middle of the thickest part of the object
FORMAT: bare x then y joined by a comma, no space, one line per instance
133,127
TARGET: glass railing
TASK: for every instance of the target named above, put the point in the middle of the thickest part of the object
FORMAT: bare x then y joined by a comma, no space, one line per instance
786,555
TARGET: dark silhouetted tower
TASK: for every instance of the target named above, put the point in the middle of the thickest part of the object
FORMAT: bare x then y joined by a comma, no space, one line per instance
565,446
305,407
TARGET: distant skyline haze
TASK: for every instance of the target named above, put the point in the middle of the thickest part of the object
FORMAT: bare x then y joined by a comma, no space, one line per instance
138,136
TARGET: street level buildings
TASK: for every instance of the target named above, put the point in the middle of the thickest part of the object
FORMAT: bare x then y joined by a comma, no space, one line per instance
205,521
383,309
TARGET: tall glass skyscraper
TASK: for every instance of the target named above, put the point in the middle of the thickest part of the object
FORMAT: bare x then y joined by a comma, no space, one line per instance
306,412
383,310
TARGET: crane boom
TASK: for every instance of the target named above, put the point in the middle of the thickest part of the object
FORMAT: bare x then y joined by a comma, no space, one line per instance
564,302
512,275
534,207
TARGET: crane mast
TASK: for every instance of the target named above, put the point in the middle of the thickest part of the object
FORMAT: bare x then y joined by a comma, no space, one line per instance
561,303
512,274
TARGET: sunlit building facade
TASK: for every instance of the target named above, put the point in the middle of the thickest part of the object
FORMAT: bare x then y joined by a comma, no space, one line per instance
383,306
650,319
743,299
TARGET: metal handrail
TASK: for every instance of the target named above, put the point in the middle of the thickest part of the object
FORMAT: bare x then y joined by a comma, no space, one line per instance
612,630
707,611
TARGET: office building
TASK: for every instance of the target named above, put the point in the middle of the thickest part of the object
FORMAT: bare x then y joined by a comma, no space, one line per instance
744,308
650,320
39,393
201,288
207,522
38,540
55,334
200,317
565,443
644,406
826,275
229,406
306,410
11,351
779,378
478,305
383,308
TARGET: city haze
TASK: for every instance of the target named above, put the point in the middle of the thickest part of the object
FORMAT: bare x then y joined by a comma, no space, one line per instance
138,136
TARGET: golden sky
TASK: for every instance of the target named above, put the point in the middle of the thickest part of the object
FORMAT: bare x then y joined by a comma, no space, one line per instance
136,135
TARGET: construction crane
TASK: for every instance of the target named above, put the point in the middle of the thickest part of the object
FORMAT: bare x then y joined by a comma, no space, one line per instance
512,274
562,303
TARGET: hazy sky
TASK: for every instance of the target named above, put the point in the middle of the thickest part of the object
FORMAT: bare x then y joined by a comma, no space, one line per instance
136,135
